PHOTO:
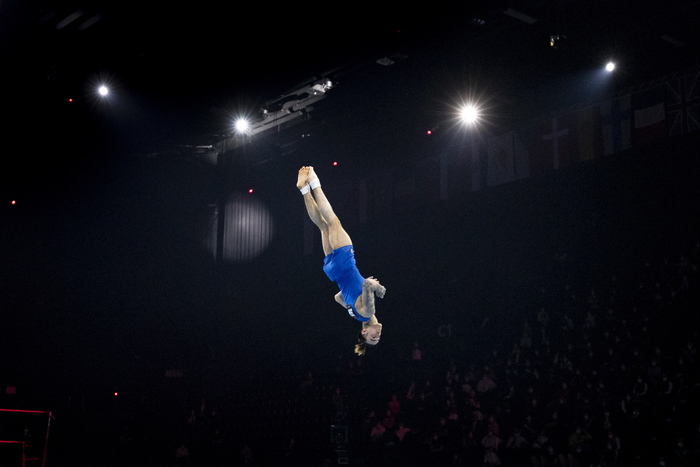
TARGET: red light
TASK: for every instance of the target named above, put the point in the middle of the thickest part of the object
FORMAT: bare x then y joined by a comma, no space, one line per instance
13,202
116,393
70,100
335,163
430,132
250,190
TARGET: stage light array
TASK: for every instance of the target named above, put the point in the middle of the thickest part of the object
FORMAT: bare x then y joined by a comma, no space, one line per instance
469,114
242,125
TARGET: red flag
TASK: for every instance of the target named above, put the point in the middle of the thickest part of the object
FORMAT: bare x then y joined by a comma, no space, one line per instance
649,116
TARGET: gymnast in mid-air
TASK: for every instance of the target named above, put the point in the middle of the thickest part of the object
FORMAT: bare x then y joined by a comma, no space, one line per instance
357,293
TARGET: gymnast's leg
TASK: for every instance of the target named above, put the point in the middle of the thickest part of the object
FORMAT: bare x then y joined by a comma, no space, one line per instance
312,208
318,207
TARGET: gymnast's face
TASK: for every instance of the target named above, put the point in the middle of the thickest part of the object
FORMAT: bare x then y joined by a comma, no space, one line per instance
372,334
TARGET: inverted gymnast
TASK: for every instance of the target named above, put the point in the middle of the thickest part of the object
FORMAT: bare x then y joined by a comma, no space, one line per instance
356,292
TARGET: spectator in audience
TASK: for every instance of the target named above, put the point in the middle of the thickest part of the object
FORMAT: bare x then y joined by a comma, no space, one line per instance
580,441
394,405
292,454
401,431
389,419
377,432
493,426
416,352
182,455
518,448
246,455
437,449
681,455
491,441
611,449
491,458
485,384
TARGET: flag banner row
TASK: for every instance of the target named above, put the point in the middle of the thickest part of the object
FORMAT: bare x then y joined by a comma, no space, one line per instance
666,108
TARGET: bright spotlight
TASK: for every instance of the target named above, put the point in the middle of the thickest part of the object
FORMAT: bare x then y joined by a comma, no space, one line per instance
242,125
469,114
103,90
610,66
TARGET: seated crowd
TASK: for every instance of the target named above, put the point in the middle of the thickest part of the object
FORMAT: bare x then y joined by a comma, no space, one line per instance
618,386
602,374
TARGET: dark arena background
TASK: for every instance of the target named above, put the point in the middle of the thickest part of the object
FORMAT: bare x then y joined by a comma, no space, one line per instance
162,298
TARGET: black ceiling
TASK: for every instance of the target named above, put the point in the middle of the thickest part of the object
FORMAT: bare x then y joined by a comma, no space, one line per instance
186,68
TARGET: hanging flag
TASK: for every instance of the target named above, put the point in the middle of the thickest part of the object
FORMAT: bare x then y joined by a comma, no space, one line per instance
521,156
526,143
478,160
456,172
552,147
616,115
501,162
682,96
588,133
649,116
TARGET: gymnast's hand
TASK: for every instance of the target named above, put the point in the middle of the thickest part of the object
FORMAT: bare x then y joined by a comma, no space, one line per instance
373,285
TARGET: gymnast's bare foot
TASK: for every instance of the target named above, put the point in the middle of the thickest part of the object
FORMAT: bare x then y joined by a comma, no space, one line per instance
312,175
302,178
